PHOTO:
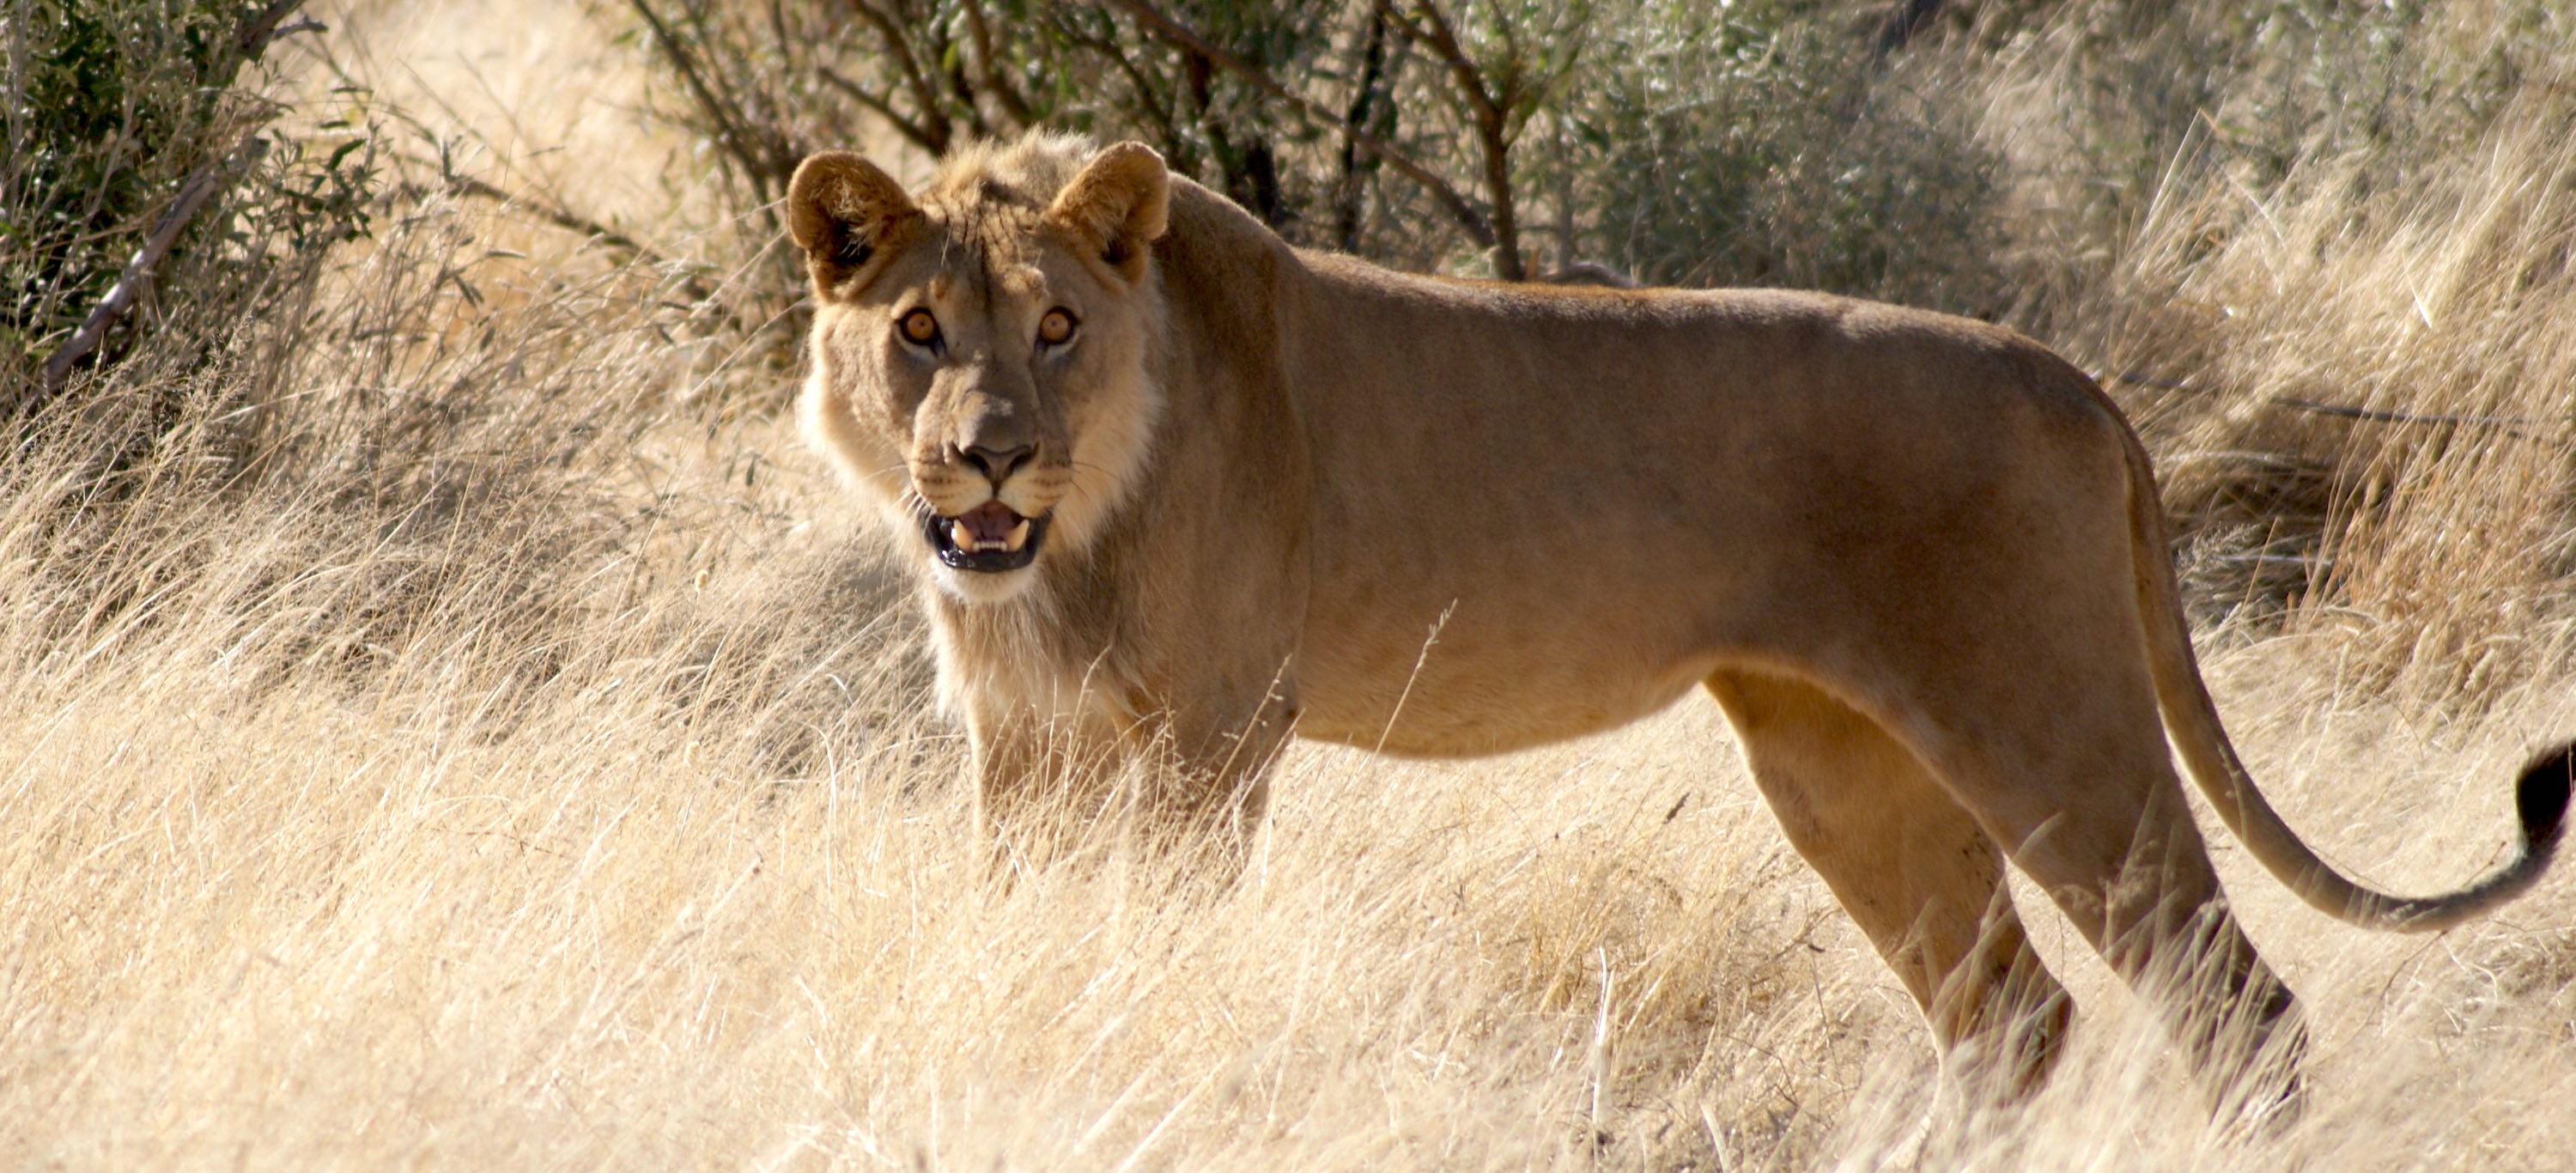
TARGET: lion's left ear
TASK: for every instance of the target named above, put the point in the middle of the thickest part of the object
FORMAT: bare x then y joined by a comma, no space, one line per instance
1117,205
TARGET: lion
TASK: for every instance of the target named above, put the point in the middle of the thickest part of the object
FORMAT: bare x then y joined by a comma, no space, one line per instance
1172,484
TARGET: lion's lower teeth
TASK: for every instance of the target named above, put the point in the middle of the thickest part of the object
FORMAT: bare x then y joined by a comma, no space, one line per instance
960,535
1019,536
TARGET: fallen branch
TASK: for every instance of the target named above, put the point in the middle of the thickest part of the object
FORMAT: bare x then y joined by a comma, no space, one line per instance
2508,424
2379,415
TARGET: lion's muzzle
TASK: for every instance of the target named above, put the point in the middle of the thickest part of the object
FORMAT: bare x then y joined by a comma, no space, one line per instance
991,538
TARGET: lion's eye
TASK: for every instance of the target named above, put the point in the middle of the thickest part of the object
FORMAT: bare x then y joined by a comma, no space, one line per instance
1056,328
918,328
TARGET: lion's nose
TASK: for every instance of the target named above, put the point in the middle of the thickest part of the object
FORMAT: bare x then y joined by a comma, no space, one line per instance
998,463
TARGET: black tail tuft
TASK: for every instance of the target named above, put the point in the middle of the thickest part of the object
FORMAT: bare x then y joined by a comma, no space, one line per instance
2541,796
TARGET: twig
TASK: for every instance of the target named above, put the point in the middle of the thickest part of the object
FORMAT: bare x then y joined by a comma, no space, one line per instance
2379,415
261,27
137,276
1468,216
564,218
936,131
1905,19
1486,105
303,24
988,67
745,142
2508,424
916,133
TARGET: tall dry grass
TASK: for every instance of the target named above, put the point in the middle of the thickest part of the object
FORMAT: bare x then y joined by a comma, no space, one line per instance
2339,306
503,747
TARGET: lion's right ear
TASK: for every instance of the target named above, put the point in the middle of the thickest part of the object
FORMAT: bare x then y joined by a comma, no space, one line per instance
840,208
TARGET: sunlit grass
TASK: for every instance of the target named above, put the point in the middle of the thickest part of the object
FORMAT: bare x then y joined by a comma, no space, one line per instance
526,763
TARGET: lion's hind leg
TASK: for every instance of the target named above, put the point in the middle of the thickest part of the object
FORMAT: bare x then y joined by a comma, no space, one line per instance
2071,773
1916,871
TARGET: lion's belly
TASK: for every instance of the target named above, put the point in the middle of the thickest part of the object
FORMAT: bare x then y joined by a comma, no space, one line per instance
1479,688
1470,727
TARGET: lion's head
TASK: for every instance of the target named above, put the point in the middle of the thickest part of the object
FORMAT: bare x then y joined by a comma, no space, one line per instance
980,353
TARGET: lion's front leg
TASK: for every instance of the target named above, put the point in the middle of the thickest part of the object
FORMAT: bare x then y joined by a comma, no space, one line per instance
1042,781
1213,752
1049,787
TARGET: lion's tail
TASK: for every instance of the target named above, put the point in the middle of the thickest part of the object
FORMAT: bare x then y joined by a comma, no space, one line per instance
2191,719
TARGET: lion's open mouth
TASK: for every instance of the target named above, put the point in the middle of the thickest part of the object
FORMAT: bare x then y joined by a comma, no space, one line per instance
989,538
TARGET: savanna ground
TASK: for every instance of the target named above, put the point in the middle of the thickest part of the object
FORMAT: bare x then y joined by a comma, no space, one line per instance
466,729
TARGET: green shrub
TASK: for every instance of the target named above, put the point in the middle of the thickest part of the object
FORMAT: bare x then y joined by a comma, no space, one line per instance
1667,141
1756,145
114,108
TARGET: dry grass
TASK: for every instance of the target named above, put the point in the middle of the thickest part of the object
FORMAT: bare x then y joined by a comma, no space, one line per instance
520,761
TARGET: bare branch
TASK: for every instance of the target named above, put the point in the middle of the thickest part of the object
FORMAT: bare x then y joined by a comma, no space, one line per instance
137,276
1350,189
1469,217
2509,425
915,133
1903,21
261,27
952,69
741,141
1156,103
1462,68
564,218
1490,111
988,69
933,121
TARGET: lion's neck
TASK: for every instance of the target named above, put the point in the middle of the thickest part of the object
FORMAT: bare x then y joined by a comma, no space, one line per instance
1061,623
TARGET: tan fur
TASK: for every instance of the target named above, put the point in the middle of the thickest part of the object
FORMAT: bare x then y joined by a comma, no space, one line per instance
1918,559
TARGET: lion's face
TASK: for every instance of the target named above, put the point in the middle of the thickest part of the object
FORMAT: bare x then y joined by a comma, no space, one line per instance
979,357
